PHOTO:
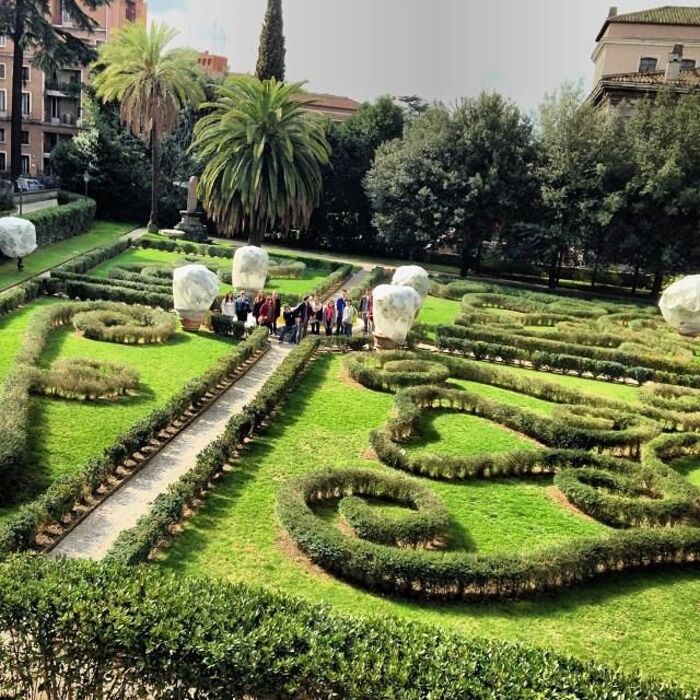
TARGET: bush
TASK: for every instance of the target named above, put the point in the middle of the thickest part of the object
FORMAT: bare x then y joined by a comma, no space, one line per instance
226,326
19,295
71,218
130,325
79,378
115,633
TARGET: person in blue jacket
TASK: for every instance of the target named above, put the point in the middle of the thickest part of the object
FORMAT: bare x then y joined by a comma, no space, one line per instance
340,304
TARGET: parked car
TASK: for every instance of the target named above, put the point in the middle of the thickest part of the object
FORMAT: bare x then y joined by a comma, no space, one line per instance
28,184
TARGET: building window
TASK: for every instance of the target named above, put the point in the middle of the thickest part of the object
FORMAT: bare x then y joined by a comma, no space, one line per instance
3,41
26,75
3,70
3,161
647,65
25,165
26,104
688,64
25,138
3,100
2,135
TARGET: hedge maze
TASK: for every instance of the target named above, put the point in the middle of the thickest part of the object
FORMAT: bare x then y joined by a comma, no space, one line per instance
611,460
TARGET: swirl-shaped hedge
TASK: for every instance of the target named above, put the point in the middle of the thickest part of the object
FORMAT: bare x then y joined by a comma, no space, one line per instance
464,575
130,325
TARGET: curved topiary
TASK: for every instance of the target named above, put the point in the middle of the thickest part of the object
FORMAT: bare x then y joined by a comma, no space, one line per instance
83,379
126,324
459,574
391,370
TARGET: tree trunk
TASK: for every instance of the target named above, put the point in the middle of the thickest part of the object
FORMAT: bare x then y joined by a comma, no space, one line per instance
594,276
18,62
155,176
477,259
256,238
552,274
635,279
658,281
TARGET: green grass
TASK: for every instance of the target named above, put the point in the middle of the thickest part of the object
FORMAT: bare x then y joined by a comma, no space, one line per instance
632,620
689,467
507,396
454,433
102,233
439,311
311,278
65,434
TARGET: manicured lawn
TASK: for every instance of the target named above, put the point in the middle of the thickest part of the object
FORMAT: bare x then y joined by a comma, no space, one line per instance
632,620
65,434
102,233
454,433
311,278
439,311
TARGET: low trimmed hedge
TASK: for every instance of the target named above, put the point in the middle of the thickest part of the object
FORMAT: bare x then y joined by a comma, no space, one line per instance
129,325
111,632
391,370
104,291
226,326
459,575
18,532
55,224
15,297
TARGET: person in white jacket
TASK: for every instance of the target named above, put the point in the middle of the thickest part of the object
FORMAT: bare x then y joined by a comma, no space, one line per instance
349,316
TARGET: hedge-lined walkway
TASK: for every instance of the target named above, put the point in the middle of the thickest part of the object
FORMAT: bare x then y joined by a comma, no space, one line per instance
94,536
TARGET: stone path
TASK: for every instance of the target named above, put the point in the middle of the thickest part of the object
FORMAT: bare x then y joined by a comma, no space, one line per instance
95,535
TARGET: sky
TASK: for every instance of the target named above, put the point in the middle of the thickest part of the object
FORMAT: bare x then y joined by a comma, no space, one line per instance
438,49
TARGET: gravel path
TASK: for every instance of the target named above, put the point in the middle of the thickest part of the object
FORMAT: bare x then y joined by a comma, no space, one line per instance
94,536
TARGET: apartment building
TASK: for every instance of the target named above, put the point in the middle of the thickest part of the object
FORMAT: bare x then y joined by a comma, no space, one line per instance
213,64
52,104
639,53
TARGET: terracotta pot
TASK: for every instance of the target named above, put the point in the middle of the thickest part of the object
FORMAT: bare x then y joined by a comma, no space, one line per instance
191,320
381,343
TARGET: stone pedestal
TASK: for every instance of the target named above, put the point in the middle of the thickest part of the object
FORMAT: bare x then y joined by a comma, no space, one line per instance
192,227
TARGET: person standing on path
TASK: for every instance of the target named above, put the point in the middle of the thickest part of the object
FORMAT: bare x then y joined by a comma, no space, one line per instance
366,310
278,311
329,317
349,316
242,307
289,327
340,305
257,305
302,313
316,316
228,305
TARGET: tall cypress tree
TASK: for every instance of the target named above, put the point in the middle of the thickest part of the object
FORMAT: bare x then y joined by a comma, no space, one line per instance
272,51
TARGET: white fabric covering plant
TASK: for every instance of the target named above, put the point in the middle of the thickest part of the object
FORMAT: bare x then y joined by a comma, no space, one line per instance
17,237
395,310
415,277
194,288
250,266
680,305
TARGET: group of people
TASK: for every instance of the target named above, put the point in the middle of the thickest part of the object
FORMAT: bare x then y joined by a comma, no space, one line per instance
336,316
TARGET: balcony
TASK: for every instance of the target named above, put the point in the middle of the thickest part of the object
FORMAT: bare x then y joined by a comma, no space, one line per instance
66,119
64,88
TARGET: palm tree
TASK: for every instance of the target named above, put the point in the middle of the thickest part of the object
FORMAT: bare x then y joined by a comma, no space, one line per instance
262,154
152,83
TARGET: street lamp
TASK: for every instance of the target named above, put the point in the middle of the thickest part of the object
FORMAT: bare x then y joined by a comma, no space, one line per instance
86,180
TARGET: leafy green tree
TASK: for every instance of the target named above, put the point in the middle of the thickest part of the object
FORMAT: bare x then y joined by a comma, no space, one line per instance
271,53
576,175
28,23
664,194
408,186
457,178
152,83
343,220
262,155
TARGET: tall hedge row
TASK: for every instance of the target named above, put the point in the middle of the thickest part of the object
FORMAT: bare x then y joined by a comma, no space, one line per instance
64,221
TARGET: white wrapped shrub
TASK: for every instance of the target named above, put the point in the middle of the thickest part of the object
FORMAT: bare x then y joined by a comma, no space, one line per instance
415,277
250,266
17,237
395,310
194,289
680,305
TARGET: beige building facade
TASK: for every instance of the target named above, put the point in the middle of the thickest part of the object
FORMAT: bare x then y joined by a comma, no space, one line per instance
52,104
639,53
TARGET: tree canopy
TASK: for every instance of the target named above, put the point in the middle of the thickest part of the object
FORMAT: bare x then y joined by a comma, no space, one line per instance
271,53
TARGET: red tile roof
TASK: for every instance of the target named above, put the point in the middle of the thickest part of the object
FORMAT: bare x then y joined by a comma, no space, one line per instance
668,14
686,78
